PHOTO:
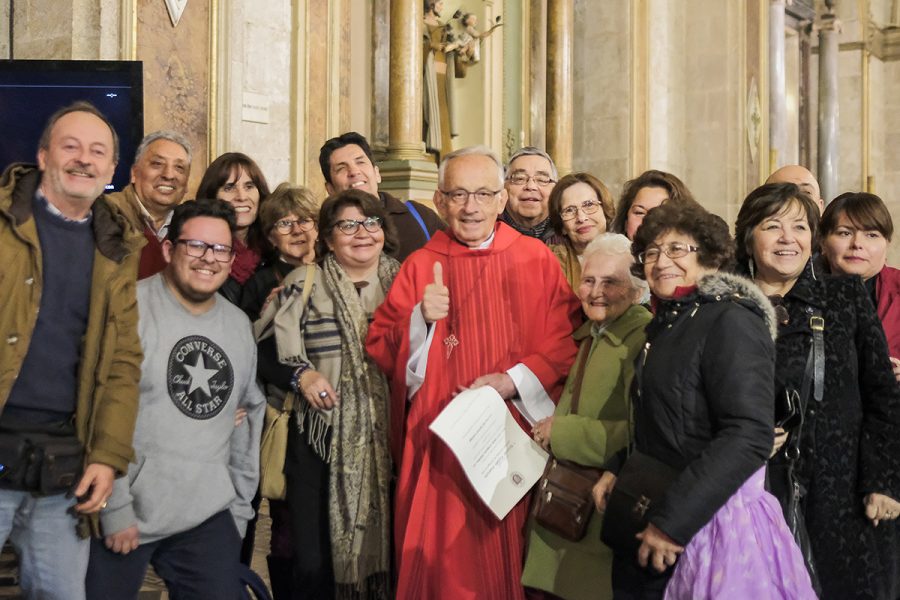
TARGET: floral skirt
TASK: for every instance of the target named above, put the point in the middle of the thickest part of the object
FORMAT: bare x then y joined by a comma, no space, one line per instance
745,551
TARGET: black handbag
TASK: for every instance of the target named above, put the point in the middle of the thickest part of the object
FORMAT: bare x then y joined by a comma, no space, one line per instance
640,486
562,502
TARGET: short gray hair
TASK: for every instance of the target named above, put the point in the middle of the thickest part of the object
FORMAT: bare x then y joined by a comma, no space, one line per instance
470,151
613,245
533,151
163,134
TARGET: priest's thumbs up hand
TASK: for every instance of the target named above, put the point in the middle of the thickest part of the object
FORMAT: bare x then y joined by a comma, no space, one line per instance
436,298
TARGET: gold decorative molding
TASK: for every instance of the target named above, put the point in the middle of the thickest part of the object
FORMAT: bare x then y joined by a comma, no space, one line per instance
128,30
212,117
865,29
640,87
299,111
763,164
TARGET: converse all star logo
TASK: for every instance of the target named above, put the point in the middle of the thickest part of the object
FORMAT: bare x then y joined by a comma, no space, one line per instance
200,377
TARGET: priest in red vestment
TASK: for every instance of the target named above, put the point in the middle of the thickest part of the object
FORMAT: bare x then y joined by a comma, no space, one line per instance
478,305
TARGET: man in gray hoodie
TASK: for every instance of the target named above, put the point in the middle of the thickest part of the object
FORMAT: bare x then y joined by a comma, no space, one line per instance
185,502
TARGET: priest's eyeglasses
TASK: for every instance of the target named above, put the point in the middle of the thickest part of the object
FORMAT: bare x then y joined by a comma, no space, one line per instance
588,207
286,226
351,226
460,197
672,250
198,248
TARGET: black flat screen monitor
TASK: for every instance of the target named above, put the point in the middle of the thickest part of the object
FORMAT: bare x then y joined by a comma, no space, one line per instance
32,90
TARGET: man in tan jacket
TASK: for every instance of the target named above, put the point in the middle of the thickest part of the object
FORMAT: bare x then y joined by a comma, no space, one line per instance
69,350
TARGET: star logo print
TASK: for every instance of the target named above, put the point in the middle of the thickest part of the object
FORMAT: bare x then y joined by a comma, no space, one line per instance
200,376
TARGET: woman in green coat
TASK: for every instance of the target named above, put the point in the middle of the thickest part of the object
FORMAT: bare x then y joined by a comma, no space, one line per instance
612,337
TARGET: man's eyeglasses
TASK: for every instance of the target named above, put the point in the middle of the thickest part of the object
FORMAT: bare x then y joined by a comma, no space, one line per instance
672,250
588,207
350,226
285,226
461,196
198,248
522,178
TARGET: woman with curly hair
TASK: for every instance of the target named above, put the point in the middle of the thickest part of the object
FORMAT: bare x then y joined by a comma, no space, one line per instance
702,406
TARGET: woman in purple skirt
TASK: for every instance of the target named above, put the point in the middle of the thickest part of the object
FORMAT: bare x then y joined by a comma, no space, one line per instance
703,406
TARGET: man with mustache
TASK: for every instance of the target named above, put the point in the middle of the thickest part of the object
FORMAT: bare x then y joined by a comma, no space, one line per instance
159,177
530,177
70,356
185,503
346,162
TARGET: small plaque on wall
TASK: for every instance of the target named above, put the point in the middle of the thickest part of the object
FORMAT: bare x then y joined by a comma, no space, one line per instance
255,108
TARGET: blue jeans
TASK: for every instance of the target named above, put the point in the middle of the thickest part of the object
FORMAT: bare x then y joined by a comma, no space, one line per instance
52,558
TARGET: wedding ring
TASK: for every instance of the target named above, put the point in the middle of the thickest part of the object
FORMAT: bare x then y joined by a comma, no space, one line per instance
104,504
323,394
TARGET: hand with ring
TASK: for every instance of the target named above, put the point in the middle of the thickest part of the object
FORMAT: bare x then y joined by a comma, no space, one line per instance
318,391
541,432
880,507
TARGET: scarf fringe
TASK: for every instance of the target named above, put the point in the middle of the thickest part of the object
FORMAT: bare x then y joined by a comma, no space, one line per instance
317,428
374,587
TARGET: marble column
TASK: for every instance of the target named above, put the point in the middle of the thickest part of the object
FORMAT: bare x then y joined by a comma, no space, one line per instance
560,98
777,86
407,172
405,113
827,173
537,134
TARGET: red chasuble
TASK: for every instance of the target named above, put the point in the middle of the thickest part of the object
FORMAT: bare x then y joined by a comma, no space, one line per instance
509,304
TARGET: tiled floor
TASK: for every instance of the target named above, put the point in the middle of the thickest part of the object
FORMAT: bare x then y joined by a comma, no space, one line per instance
153,588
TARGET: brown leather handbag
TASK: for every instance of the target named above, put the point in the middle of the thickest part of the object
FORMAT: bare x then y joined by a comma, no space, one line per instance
563,502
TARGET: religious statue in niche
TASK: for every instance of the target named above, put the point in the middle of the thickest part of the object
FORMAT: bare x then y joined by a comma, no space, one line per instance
449,48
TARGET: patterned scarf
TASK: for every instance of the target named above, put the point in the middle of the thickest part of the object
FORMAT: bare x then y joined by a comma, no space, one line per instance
360,472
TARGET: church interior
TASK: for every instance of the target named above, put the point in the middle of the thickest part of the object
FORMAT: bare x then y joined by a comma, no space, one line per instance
719,93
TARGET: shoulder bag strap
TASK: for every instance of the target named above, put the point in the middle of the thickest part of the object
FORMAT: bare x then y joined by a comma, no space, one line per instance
813,380
583,353
418,217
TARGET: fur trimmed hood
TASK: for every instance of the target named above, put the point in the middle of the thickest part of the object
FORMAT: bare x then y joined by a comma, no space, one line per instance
740,289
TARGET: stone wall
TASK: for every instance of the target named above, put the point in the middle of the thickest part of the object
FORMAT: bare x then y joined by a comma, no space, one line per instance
602,89
254,70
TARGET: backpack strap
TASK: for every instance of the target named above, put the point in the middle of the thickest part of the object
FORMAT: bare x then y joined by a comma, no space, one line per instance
418,217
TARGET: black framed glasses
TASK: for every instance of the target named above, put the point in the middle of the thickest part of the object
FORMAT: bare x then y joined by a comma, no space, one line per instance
461,196
522,178
672,250
351,226
198,248
285,226
588,207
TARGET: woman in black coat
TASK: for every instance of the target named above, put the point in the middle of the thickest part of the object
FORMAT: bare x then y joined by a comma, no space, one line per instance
849,443
702,406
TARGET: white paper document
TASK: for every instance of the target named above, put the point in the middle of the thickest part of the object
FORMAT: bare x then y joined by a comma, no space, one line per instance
501,461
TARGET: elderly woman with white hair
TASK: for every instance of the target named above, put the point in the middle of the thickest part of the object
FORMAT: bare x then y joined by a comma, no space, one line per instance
590,426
